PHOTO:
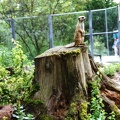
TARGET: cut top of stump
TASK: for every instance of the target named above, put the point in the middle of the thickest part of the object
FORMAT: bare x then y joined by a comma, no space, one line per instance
67,49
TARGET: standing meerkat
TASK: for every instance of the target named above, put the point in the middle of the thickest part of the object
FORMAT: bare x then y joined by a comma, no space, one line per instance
79,31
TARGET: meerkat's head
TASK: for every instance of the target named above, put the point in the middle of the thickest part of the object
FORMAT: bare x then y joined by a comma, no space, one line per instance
81,18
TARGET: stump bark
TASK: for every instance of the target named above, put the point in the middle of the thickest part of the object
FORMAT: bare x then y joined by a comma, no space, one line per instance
62,74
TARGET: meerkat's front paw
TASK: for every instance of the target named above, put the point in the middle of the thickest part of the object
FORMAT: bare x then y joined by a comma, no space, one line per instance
83,33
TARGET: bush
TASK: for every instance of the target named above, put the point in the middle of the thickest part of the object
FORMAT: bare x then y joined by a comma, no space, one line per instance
16,74
110,70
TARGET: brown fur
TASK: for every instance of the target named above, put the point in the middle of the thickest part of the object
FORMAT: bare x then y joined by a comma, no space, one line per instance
80,31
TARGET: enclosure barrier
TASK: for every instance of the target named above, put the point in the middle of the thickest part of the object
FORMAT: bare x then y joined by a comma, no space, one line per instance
91,33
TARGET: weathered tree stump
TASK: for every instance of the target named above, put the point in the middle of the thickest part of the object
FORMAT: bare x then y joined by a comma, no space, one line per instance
63,74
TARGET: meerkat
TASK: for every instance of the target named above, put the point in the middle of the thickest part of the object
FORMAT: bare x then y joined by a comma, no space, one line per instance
79,32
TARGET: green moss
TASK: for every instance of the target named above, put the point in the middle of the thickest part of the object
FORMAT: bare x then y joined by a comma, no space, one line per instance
45,117
72,112
83,112
115,109
77,110
76,51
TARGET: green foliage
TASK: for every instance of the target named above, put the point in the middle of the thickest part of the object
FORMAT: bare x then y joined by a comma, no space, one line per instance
77,111
96,107
97,111
73,111
112,116
111,69
20,114
4,33
99,46
83,112
18,85
33,32
16,74
5,56
99,4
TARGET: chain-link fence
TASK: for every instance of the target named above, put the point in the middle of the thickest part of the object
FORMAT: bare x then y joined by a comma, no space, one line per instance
31,32
99,27
38,33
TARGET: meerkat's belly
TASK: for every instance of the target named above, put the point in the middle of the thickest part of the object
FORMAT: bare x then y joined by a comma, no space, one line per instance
78,39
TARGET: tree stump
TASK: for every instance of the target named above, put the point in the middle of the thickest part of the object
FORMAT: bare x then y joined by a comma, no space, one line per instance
63,74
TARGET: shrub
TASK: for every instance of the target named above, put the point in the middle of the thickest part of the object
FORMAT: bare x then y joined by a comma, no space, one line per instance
111,69
18,85
97,110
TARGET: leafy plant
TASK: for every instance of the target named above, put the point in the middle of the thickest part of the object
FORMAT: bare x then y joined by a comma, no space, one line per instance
112,116
97,111
99,45
5,56
72,113
96,107
18,85
20,113
111,69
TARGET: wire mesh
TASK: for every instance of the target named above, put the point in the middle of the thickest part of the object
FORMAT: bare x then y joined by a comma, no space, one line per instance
103,23
33,32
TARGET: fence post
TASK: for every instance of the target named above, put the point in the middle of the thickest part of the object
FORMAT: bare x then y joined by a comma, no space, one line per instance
91,34
119,27
12,27
106,26
50,31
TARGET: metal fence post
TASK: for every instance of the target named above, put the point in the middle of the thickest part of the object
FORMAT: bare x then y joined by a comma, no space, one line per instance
91,34
106,27
12,27
50,30
119,27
